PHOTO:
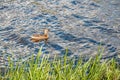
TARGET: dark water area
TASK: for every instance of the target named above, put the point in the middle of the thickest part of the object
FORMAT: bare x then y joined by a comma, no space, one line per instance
81,26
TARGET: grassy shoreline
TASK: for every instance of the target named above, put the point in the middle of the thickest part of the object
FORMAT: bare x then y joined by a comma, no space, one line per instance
64,69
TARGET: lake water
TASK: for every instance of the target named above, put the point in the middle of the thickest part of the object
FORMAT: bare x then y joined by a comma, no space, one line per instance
82,26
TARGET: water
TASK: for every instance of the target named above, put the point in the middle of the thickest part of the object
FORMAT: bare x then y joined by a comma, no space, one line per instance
79,25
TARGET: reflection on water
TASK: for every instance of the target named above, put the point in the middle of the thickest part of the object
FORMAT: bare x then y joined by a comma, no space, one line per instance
81,26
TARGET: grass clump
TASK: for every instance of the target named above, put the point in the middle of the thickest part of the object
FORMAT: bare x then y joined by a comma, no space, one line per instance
63,68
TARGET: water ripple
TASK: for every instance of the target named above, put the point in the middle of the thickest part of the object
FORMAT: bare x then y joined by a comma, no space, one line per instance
81,26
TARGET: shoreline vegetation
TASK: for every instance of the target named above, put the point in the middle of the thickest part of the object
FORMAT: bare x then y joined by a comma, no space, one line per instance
63,68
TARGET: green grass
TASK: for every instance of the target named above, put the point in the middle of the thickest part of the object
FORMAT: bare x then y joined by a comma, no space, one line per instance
63,68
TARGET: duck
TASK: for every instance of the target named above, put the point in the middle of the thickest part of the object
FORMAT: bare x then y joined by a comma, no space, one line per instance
40,37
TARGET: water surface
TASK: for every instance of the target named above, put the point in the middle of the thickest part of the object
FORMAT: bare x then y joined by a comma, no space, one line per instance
79,25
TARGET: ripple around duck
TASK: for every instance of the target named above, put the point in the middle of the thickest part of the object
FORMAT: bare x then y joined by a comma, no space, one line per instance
106,30
7,29
75,2
13,37
51,19
3,7
89,40
94,4
66,36
38,17
88,24
60,48
79,16
56,46
4,33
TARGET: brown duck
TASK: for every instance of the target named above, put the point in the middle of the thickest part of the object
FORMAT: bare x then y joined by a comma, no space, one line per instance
40,37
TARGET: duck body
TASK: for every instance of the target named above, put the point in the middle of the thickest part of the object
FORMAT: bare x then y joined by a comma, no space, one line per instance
40,37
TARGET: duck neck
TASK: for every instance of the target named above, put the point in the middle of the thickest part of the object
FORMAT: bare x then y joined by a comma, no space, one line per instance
46,33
